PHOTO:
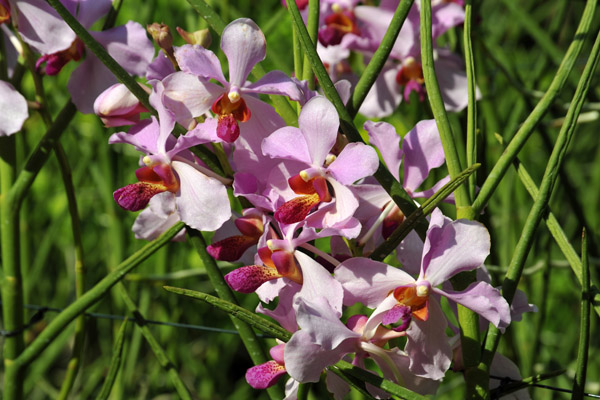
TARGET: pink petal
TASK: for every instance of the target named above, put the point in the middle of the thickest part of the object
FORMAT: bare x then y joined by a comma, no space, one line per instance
423,151
427,344
319,123
355,162
384,96
275,82
453,247
196,60
483,299
287,143
450,71
318,282
160,215
14,109
249,278
42,28
202,202
189,97
142,136
369,282
384,136
244,45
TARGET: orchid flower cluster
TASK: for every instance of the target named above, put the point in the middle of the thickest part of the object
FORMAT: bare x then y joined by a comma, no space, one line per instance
300,184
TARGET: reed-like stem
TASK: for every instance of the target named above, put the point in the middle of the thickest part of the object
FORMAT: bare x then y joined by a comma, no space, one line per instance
509,285
312,26
527,128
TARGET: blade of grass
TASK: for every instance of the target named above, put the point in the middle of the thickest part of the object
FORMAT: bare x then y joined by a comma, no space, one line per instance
584,327
312,25
115,362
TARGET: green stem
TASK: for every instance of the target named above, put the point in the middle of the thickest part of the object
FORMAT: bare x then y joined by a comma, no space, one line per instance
93,295
75,361
515,269
12,286
159,352
312,26
297,52
526,129
215,275
584,327
383,176
373,69
472,105
437,105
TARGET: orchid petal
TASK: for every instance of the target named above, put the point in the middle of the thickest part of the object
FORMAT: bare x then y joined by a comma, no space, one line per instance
287,143
455,247
244,45
384,96
427,344
202,202
423,151
319,123
369,282
196,60
275,82
355,162
384,136
450,71
14,109
483,299
42,28
318,282
188,97
143,136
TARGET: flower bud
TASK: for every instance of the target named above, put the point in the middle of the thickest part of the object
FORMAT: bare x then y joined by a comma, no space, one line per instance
117,106
201,37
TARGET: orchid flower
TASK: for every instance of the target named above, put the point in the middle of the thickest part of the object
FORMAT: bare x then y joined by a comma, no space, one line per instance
190,94
201,200
45,31
450,247
311,144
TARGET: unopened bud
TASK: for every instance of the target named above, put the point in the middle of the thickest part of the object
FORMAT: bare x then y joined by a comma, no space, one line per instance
117,106
161,34
201,37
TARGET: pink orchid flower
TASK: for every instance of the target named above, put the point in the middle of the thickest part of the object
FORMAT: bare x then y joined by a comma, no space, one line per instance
311,144
45,31
201,200
450,247
189,93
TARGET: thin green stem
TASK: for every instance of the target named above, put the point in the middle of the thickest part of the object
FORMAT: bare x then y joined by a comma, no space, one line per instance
515,269
527,128
383,176
297,52
249,338
437,105
93,295
12,285
373,69
584,327
312,26
75,361
472,105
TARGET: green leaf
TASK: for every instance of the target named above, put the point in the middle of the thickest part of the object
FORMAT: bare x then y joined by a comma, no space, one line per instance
236,311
